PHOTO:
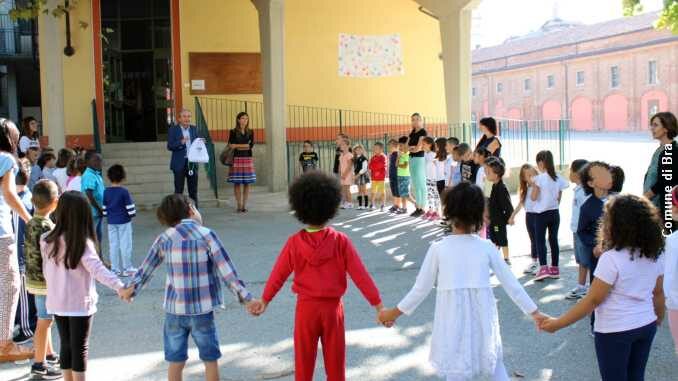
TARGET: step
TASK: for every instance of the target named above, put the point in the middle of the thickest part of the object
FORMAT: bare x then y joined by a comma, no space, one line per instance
150,201
138,161
112,147
160,186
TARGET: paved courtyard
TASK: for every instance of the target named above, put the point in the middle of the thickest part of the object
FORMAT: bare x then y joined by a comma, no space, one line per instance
126,341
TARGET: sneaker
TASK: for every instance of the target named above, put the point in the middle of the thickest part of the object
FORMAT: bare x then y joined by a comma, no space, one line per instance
360,207
371,207
577,292
543,273
40,371
554,272
401,211
52,359
22,338
508,261
426,215
392,209
12,352
532,268
381,208
343,205
434,216
417,213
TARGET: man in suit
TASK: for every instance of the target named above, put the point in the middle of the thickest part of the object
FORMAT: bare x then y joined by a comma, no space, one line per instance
179,139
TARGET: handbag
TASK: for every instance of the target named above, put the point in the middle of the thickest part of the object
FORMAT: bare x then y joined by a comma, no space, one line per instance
197,152
226,156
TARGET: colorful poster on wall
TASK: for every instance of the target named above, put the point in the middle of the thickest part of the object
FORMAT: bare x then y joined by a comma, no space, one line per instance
370,56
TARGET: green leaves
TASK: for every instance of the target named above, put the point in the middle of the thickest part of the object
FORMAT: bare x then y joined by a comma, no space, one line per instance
668,19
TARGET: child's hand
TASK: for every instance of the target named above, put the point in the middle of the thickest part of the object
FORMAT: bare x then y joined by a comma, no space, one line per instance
538,318
598,250
126,293
388,317
549,325
256,307
511,221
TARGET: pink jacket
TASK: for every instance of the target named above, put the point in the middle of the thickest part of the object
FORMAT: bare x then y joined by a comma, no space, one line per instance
73,292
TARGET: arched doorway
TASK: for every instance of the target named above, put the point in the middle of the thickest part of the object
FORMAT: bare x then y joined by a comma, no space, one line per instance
582,114
615,113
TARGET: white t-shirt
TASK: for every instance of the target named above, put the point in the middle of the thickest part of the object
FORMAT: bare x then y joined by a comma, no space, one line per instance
440,169
75,184
480,177
671,271
549,192
61,176
431,173
629,304
528,203
25,143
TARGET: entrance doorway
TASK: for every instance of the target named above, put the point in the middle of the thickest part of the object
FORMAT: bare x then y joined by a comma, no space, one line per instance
137,58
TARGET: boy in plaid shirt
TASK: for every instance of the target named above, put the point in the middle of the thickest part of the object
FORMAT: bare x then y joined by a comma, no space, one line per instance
191,293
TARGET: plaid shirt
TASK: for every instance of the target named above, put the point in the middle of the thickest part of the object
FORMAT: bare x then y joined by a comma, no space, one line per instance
196,261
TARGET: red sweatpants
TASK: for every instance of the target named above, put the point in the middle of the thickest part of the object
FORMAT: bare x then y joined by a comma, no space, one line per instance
319,319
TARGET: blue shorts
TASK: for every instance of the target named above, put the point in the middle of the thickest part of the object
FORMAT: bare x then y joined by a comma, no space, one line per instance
201,327
403,186
581,255
41,308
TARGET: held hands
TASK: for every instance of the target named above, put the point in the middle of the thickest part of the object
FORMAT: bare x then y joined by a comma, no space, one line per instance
550,325
126,294
256,307
388,317
538,318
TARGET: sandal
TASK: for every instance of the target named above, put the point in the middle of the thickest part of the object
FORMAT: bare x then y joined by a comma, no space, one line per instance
13,352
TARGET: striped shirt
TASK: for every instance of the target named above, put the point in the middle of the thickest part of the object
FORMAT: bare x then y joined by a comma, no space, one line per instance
118,206
196,264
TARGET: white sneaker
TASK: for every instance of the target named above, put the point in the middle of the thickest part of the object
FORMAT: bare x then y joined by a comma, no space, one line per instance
360,207
532,268
349,205
577,292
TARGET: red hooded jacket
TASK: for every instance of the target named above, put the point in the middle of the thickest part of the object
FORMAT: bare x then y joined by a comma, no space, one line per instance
320,262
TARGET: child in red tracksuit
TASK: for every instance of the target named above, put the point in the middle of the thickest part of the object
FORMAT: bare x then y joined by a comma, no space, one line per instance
320,258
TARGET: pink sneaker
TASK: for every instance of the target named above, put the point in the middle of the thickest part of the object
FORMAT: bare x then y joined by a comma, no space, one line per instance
554,272
434,216
426,216
543,273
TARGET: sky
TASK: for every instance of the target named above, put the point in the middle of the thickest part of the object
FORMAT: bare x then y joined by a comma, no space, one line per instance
496,20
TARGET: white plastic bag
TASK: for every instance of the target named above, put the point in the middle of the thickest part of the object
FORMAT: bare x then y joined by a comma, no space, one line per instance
197,152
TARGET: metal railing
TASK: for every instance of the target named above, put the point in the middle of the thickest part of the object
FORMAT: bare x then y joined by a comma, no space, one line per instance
521,139
17,38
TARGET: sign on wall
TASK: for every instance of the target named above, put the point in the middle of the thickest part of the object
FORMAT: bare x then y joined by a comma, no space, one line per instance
370,56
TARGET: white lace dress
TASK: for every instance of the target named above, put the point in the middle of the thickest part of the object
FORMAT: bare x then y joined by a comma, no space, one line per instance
466,342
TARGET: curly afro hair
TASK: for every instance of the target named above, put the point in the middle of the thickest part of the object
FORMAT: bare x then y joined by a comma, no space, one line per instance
314,197
643,237
464,206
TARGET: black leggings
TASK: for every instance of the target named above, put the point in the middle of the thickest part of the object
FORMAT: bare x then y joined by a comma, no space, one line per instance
548,220
74,337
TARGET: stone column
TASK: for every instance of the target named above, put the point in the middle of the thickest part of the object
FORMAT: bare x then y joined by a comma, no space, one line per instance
271,34
454,17
12,94
52,77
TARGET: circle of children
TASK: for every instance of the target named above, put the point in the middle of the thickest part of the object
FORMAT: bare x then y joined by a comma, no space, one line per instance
626,261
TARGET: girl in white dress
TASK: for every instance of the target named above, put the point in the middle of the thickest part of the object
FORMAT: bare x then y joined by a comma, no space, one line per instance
466,343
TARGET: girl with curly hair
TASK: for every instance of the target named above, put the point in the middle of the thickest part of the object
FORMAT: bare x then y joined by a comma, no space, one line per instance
626,293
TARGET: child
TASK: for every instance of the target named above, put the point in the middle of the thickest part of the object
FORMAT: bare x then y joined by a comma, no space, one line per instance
346,173
452,173
500,208
36,172
26,317
45,197
93,187
321,259
467,167
378,174
527,173
403,174
626,292
671,273
479,157
596,180
75,169
441,165
393,174
42,168
66,155
309,158
47,162
465,342
578,200
547,188
362,177
617,179
432,195
197,264
118,208
70,266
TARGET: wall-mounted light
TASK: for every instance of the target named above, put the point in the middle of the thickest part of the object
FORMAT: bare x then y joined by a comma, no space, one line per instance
69,50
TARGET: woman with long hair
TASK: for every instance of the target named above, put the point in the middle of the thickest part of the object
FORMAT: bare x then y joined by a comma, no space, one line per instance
241,174
30,135
415,145
9,262
664,128
489,140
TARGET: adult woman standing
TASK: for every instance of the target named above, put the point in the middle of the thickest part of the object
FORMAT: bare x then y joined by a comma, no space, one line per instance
241,175
9,262
417,163
29,135
662,174
489,140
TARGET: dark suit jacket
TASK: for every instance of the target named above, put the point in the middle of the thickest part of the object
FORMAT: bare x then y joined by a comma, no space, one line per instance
174,144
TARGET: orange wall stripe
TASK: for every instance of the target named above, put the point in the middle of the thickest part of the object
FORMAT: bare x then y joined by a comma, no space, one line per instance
177,85
98,68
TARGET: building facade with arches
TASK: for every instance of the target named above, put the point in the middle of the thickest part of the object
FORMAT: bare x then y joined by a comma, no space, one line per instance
610,76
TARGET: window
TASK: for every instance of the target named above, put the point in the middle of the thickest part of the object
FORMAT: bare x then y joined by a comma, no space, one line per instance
652,72
580,78
473,91
652,108
550,81
500,87
527,84
614,76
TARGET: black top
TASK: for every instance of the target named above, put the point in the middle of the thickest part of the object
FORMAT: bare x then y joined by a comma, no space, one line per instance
236,137
415,138
469,169
485,142
667,167
308,160
393,166
337,155
500,204
358,164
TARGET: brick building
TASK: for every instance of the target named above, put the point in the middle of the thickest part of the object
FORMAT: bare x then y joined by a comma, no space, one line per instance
609,76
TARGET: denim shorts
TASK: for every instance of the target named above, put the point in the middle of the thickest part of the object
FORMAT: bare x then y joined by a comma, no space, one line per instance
580,253
201,327
403,186
41,308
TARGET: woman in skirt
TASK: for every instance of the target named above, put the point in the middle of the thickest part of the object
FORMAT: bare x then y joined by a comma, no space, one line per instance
242,174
